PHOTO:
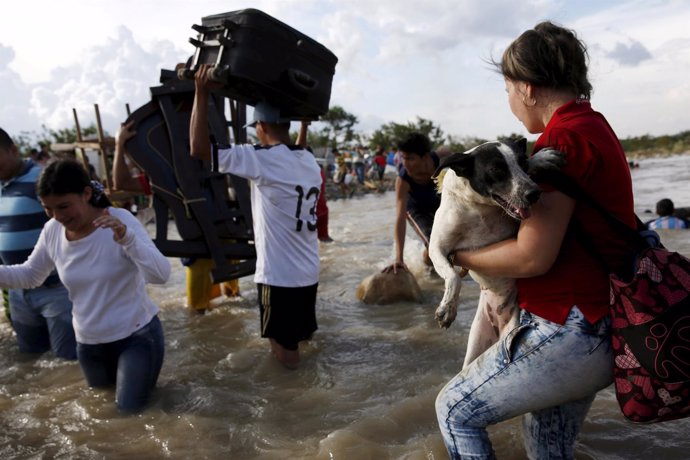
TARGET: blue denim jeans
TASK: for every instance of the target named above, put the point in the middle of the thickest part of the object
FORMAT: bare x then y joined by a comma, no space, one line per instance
547,372
42,320
359,170
131,364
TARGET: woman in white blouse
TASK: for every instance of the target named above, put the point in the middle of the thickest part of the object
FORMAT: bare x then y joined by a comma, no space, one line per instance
104,257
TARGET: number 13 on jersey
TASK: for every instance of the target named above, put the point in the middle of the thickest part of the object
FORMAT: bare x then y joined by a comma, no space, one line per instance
311,197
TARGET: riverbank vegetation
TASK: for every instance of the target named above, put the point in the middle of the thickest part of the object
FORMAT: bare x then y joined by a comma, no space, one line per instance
337,128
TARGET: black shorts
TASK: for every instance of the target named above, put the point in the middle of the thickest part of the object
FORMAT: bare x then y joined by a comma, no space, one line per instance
288,315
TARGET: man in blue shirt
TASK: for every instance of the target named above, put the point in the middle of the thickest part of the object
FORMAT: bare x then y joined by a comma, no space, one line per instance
41,317
665,209
416,197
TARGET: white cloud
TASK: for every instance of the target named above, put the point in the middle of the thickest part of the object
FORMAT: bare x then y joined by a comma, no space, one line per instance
638,56
112,74
398,59
14,95
629,54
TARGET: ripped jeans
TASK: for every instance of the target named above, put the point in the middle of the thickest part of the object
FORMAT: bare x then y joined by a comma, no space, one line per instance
548,372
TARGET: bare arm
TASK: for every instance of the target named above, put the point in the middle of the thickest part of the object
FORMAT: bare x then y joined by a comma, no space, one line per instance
122,177
402,188
302,135
200,145
536,247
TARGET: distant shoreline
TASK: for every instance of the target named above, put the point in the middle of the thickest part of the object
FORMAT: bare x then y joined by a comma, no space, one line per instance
333,191
643,154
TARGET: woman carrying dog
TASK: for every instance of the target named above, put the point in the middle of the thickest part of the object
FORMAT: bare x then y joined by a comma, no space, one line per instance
105,257
550,367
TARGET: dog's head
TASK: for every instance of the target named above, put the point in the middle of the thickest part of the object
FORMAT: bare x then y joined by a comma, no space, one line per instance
496,170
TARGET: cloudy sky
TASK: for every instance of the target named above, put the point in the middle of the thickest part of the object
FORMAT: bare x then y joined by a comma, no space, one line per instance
398,59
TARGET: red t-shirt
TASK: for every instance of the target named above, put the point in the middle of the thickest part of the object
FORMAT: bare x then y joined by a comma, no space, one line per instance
321,205
595,159
145,184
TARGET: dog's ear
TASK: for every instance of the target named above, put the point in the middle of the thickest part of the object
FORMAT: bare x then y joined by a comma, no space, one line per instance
522,145
519,145
461,163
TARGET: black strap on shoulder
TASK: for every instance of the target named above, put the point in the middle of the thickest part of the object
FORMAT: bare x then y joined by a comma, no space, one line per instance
566,184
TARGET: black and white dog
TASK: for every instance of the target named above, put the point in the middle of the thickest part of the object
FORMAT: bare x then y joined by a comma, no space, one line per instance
485,192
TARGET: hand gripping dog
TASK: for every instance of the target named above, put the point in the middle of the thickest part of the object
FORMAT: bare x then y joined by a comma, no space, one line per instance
485,192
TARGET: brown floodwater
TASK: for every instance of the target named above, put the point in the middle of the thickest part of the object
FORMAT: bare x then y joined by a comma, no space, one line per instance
365,389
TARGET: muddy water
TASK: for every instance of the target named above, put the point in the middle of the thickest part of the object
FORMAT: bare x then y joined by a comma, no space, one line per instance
365,389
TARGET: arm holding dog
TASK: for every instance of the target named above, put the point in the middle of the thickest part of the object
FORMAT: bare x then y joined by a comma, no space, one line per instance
536,247
485,193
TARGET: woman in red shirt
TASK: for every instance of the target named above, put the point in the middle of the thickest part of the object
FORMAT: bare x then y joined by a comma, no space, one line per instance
551,366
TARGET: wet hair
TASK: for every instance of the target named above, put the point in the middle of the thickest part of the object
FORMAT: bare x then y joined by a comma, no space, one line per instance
5,140
415,143
62,177
548,56
664,207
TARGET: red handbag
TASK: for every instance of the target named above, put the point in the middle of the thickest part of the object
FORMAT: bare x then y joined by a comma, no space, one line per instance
651,337
650,311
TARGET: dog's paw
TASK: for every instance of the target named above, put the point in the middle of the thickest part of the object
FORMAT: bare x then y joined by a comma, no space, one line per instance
445,315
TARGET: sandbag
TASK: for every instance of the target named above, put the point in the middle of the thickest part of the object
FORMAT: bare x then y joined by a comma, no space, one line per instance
385,288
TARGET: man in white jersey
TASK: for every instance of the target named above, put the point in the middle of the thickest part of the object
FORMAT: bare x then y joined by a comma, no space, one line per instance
285,185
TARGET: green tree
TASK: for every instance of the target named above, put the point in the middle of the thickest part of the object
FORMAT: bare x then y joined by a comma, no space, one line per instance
462,144
391,134
25,141
339,126
69,135
646,144
32,139
315,139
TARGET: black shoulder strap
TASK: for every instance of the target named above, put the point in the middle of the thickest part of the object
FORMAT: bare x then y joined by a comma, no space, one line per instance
566,184
638,239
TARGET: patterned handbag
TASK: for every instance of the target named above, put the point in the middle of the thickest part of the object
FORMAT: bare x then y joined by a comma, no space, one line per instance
651,337
650,310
